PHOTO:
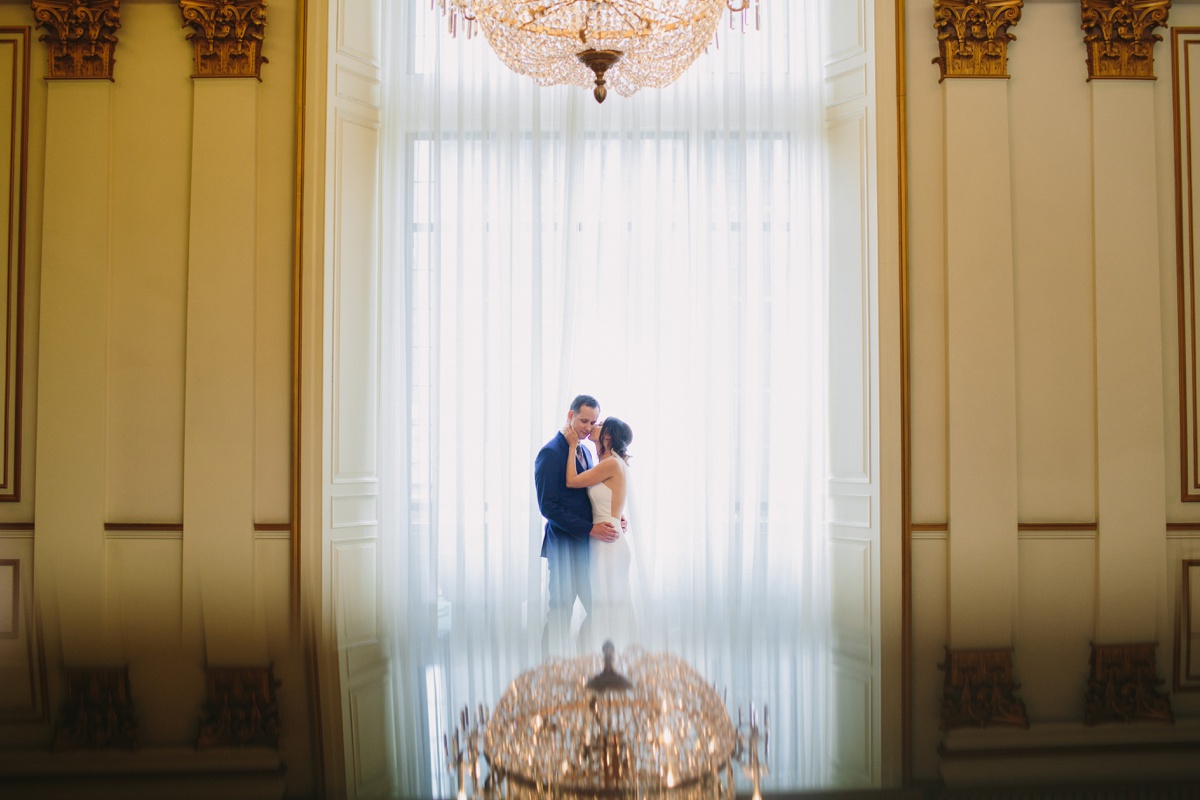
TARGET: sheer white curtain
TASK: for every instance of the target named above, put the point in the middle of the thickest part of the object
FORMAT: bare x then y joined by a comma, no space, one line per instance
663,254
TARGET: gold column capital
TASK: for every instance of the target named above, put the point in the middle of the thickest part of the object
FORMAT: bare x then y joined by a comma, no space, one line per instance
227,36
973,36
1120,36
81,35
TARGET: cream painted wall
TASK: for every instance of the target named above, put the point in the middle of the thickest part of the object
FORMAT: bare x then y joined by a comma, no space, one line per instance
158,391
1065,593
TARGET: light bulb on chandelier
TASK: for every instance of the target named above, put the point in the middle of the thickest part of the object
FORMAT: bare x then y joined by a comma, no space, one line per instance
630,44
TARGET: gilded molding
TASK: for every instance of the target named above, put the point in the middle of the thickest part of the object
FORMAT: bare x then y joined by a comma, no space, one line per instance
227,37
1120,36
977,690
81,35
973,36
1123,686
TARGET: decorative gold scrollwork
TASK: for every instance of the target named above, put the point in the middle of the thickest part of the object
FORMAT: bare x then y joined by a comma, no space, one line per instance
1120,36
81,35
227,36
977,690
98,712
973,36
240,709
1123,686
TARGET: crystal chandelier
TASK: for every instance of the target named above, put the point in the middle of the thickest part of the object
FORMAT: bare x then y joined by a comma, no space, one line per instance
629,43
562,730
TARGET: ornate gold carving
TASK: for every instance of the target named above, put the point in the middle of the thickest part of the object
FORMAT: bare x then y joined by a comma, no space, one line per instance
240,709
81,35
227,36
973,36
98,712
978,690
1120,36
1122,686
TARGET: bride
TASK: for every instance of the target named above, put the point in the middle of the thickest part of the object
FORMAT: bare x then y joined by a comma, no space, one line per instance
612,615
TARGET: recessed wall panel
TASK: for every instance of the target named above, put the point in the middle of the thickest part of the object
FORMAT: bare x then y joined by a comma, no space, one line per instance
852,733
368,720
14,148
355,298
355,592
845,31
848,334
1050,659
850,570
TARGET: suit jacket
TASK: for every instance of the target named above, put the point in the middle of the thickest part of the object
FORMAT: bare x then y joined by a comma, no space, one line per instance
568,512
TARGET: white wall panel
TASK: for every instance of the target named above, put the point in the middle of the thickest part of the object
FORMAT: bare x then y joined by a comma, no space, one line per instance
372,761
350,517
853,597
354,510
854,465
355,324
849,378
358,30
355,589
845,30
854,723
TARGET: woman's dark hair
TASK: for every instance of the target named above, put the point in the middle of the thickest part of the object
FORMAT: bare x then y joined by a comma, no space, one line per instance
619,434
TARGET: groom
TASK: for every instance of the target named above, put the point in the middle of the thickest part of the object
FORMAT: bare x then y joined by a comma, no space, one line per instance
568,514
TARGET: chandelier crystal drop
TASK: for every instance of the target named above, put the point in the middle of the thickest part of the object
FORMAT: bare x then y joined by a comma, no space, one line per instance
628,44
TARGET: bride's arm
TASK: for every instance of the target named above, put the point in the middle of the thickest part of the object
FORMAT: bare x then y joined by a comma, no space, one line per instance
597,474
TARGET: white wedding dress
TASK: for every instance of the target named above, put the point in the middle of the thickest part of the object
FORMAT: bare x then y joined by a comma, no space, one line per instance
613,615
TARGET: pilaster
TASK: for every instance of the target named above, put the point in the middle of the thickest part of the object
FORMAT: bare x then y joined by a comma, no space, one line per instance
981,364
72,373
218,491
1131,513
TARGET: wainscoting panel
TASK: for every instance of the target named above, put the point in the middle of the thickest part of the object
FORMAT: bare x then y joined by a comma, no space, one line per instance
144,588
368,715
355,592
1050,659
20,678
852,597
853,722
930,632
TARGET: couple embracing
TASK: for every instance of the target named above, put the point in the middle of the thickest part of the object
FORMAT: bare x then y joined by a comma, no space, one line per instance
585,544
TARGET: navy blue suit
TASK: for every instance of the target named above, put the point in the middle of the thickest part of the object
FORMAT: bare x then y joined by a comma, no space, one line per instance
568,514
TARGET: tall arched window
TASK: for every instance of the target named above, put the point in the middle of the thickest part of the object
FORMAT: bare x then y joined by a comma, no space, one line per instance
663,253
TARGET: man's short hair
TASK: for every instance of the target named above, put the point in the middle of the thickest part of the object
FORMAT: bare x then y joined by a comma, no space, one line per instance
584,400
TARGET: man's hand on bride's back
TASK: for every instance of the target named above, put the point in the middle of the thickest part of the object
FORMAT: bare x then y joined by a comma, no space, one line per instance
605,532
